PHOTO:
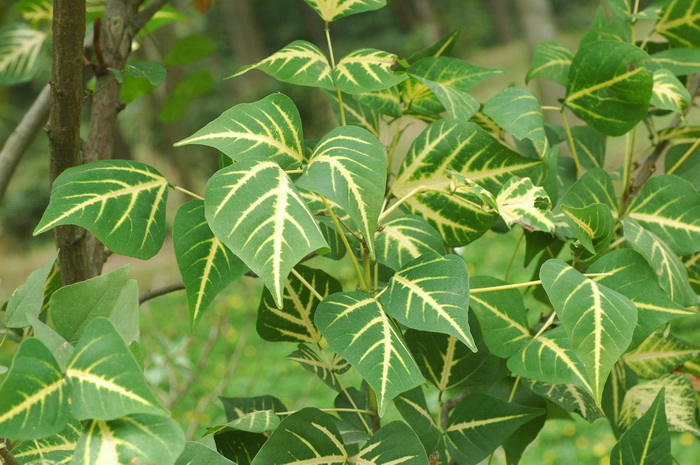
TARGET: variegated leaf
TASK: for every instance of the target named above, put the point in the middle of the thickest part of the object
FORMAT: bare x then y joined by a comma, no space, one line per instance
20,49
414,410
659,354
521,202
306,437
680,23
595,186
236,407
330,10
460,105
53,449
432,294
255,210
621,379
28,299
121,202
590,146
35,10
348,166
355,113
669,92
568,396
257,421
598,320
673,276
679,60
518,111
551,60
206,265
385,101
395,443
325,367
680,402
239,446
358,330
406,238
366,70
593,225
196,453
300,62
34,395
269,128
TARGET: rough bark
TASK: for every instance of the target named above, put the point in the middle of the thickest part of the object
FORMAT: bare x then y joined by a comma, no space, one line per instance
66,101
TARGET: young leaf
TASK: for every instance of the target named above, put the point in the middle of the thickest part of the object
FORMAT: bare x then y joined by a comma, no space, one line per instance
196,453
648,441
518,111
521,202
432,294
330,10
669,92
29,297
307,436
358,330
366,70
659,354
551,60
300,63
394,443
349,167
34,395
680,23
122,202
269,128
105,379
609,87
130,439
404,239
20,49
61,349
598,320
255,210
58,448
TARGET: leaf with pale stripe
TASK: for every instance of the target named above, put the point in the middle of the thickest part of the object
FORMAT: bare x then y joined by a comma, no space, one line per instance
590,146
34,395
257,421
598,320
647,441
20,53
395,443
105,379
593,225
318,363
357,328
518,111
549,358
460,105
521,202
385,101
680,399
206,265
680,61
269,128
480,423
366,70
680,23
609,87
356,113
551,60
307,437
254,209
414,410
294,321
239,446
404,239
348,166
130,439
236,407
684,161
673,276
300,62
669,207
53,449
122,202
570,397
621,379
330,10
669,92
594,186
196,453
28,299
432,294
470,151
659,354
501,315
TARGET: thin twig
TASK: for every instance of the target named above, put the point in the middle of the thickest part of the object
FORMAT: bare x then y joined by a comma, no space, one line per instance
6,454
449,405
145,15
161,291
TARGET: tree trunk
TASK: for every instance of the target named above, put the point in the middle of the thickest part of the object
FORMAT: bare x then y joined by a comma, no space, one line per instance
66,102
502,14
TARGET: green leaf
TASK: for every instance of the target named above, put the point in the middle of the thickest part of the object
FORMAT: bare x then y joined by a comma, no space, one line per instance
480,423
551,60
609,87
621,379
154,72
598,320
471,152
366,70
236,407
414,410
206,265
569,397
130,439
684,162
404,239
669,92
618,29
394,443
358,424
669,207
358,330
189,49
270,128
300,63
458,104
255,210
521,202
673,276
680,132
622,7
440,48
680,61
348,166
308,436
20,51
432,294
356,114
590,146
501,315
518,111
61,349
648,441
659,354
111,295
680,402
452,72
385,101
593,225
49,450
330,10
318,363
199,454
680,23
193,85
35,10
28,299
33,396
594,186
239,446
105,379
258,421
122,202
549,358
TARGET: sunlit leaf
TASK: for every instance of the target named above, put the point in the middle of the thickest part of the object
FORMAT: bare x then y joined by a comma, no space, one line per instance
366,70
521,202
404,239
330,10
551,60
20,50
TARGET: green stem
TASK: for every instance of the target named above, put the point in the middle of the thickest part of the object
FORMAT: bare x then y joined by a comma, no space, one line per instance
572,146
394,144
307,285
367,264
479,290
551,108
512,258
398,203
685,156
546,325
355,264
183,190
629,156
339,94
515,388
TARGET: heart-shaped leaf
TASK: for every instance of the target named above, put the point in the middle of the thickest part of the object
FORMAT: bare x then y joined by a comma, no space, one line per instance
404,239
551,60
366,70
